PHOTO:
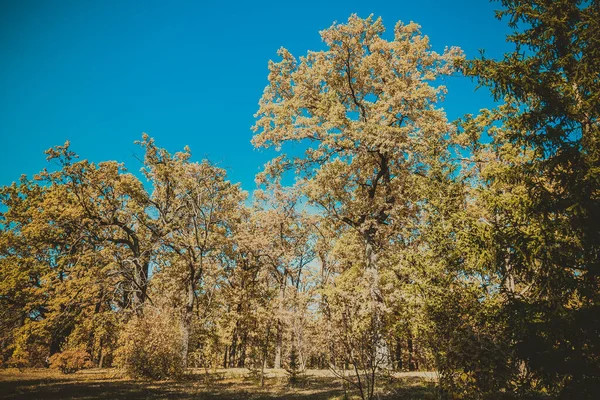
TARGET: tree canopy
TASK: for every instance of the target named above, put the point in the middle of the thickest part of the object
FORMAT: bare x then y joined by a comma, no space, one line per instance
406,242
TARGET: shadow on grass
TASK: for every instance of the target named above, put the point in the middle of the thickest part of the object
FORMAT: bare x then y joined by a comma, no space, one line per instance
105,387
141,390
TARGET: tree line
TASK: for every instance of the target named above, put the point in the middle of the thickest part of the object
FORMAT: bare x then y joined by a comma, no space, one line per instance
407,241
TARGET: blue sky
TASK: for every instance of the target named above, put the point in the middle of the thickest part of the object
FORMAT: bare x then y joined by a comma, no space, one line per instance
99,73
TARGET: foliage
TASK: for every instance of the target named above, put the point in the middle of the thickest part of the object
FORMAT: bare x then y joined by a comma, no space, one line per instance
150,346
70,361
293,367
539,190
195,207
369,149
407,242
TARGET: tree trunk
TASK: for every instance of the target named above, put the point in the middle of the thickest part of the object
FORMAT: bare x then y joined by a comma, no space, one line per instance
142,282
373,275
279,336
100,355
278,343
232,350
412,365
141,266
242,358
264,363
509,280
187,319
137,298
380,350
398,357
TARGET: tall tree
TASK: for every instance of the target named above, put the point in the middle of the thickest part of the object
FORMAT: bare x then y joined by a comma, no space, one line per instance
193,208
57,282
112,205
542,187
366,109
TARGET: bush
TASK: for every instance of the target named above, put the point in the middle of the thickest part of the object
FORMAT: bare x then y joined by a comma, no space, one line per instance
70,361
150,346
18,359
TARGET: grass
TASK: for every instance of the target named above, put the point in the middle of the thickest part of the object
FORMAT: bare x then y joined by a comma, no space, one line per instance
198,384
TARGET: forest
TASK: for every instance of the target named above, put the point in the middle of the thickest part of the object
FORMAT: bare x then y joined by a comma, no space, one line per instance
383,237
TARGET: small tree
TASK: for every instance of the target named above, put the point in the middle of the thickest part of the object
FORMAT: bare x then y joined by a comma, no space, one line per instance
293,367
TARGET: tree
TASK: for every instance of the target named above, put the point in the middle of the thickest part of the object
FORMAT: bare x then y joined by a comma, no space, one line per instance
193,208
57,281
25,261
367,113
112,206
249,295
286,250
540,188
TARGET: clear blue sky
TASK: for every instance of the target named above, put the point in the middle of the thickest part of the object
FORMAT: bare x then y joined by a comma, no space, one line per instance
99,73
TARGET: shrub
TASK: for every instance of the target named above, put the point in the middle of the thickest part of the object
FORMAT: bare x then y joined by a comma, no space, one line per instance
18,359
150,346
70,361
471,346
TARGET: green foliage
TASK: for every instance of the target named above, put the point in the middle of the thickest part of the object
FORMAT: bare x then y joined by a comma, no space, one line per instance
20,358
31,346
540,191
293,367
150,346
469,343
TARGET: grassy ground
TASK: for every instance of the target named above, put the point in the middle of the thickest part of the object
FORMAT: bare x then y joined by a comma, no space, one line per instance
199,384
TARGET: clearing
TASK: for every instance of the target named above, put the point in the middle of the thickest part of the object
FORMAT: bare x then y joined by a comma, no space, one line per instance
200,384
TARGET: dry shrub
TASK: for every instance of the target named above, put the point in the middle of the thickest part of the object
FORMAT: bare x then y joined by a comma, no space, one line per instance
70,361
150,346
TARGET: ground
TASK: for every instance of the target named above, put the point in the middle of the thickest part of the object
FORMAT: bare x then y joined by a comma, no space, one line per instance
200,384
